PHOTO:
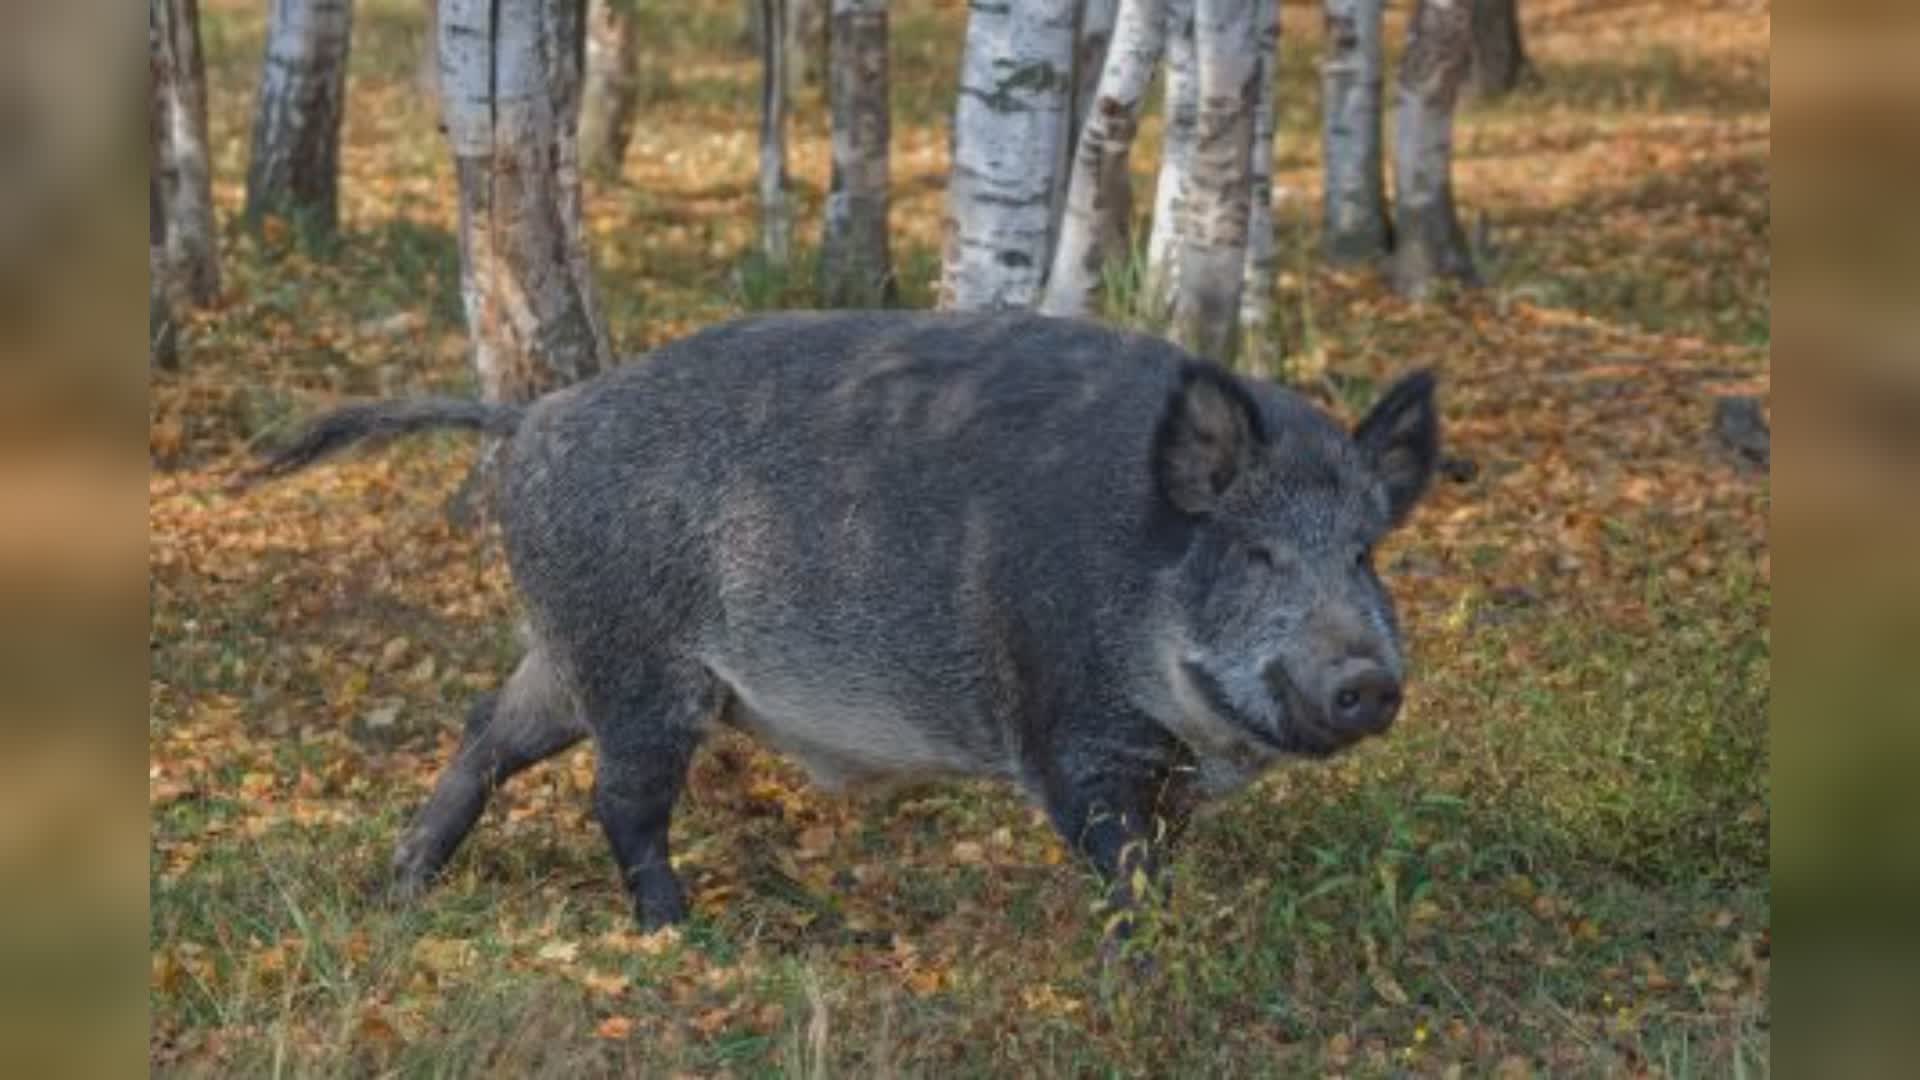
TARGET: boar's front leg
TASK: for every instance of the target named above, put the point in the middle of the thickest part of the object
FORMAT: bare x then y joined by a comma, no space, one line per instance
1109,816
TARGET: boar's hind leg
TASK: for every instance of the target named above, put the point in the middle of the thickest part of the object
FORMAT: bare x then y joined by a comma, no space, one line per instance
646,741
529,720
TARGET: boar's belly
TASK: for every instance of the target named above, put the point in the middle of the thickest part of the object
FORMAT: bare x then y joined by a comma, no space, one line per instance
849,740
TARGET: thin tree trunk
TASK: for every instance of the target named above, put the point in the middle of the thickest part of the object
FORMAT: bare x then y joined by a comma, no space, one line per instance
806,43
855,268
428,77
1355,206
1009,127
1100,190
181,251
1093,32
612,91
163,341
510,91
1256,299
295,165
1098,19
1181,105
1429,241
1212,219
1499,57
776,221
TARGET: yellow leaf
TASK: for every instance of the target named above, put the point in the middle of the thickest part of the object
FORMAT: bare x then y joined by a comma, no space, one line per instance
969,852
608,983
615,1027
560,952
442,954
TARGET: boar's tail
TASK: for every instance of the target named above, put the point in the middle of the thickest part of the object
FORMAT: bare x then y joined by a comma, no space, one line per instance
341,428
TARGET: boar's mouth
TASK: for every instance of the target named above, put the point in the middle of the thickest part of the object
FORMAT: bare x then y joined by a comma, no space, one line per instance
1215,697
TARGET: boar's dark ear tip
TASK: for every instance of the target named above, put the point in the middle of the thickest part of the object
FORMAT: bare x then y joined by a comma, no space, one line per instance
1231,390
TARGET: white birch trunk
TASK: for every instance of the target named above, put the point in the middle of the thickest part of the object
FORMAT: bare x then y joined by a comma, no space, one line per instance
776,221
1355,202
1212,218
1180,105
612,91
1093,32
1098,19
510,94
855,266
1428,240
1009,129
1256,299
181,252
294,170
1099,191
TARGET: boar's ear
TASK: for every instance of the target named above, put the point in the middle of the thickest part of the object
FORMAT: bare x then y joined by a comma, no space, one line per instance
1207,438
1402,437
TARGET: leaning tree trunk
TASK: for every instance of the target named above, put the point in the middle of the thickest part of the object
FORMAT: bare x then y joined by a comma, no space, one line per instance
1099,192
1355,206
1499,58
1009,127
1093,32
510,94
1256,291
1180,105
855,268
612,91
776,220
181,251
1429,242
295,166
1212,218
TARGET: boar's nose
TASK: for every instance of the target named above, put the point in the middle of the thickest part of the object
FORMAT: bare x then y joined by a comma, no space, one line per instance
1365,699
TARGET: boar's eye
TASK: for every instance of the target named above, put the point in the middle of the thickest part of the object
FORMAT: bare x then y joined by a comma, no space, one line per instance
1364,557
1261,556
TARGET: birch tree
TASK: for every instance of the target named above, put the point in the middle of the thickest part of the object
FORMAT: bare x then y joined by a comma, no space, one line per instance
776,222
1499,56
1180,106
294,169
1092,37
1009,130
181,255
612,91
1093,32
855,267
1256,296
1428,239
1355,200
510,94
1099,188
1212,216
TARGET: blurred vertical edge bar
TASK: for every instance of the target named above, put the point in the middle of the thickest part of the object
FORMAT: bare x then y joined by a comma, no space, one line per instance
1847,712
72,544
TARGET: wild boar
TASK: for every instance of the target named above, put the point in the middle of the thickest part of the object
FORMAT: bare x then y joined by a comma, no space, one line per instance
899,544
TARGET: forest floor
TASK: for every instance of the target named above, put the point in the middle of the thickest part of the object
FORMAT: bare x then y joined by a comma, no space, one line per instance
1556,864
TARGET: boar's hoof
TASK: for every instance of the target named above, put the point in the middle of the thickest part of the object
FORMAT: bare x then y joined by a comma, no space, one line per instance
1124,964
659,901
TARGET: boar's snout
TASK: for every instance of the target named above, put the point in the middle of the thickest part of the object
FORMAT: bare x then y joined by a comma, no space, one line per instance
1364,699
